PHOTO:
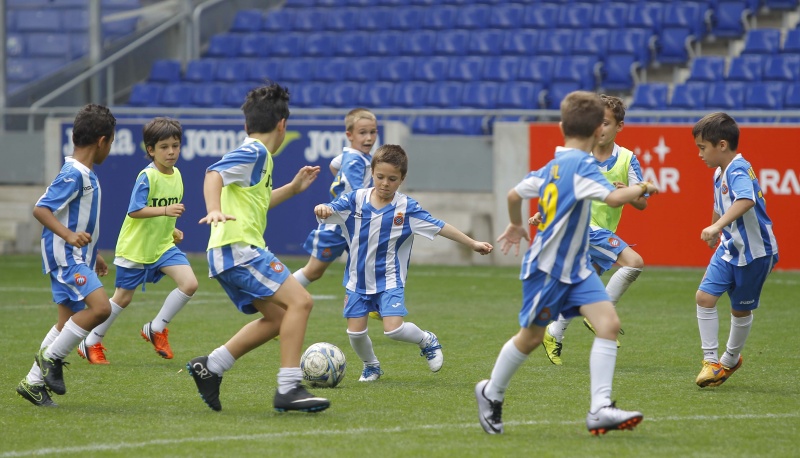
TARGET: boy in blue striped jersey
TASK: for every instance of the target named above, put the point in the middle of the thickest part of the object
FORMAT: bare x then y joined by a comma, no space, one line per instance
557,276
746,249
379,225
69,210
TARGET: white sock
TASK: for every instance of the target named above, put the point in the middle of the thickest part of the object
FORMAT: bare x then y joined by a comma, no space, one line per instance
620,282
35,374
172,305
362,345
408,332
708,322
288,379
558,327
99,331
602,360
69,338
220,360
508,361
740,329
301,277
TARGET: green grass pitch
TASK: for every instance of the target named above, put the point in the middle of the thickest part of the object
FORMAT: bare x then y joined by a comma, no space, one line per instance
142,405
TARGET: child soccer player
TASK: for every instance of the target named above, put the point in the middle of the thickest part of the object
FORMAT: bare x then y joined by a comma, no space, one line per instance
746,252
238,192
146,248
326,243
379,225
556,275
69,210
620,167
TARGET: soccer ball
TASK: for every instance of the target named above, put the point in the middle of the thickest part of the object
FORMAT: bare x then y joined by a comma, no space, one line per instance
323,365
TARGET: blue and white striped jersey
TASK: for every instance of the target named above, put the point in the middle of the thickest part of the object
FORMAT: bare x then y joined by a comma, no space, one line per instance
749,237
354,173
564,187
74,199
379,239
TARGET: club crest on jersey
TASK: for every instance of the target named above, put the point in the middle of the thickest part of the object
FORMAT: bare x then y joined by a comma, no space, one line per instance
80,280
326,253
724,188
398,219
276,266
613,242
545,314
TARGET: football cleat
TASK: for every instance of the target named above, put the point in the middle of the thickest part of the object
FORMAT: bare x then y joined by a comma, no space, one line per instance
370,373
36,394
730,370
490,413
158,339
375,316
52,372
95,354
299,399
207,382
712,374
552,348
609,418
591,328
433,352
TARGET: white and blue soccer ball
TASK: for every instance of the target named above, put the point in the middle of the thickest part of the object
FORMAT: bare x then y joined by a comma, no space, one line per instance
323,365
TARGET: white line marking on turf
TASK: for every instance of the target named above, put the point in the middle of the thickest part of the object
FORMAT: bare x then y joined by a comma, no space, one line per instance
342,432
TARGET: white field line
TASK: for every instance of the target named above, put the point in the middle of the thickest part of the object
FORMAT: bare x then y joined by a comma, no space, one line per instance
352,431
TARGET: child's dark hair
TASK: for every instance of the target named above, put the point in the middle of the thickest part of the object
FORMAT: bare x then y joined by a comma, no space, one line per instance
92,122
393,155
160,129
715,127
264,107
616,105
581,114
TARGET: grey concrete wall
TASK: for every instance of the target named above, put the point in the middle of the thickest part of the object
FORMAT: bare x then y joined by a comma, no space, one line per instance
23,158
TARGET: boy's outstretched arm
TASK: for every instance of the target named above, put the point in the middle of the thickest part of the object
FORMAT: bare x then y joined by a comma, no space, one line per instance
639,204
451,232
622,196
212,191
299,183
45,216
515,231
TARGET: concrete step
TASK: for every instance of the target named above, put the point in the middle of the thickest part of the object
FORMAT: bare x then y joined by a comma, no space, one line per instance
16,211
21,193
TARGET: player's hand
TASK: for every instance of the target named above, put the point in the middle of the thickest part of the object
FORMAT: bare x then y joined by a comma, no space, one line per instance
78,239
304,178
651,188
174,210
177,236
482,247
323,211
535,220
512,237
215,217
100,266
710,235
619,184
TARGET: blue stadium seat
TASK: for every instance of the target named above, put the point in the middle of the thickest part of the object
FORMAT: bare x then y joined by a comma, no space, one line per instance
445,94
145,95
692,15
15,45
725,96
467,68
675,45
38,20
452,42
309,20
278,20
297,69
590,42
263,70
637,42
781,4
619,71
764,96
352,43
75,20
480,95
236,93
340,19
232,70
200,70
537,70
48,45
285,44
747,68
791,43
320,44
609,15
762,41
365,70
523,96
79,44
557,42
485,42
418,43
376,19
307,95
577,15
473,17
440,17
782,67
411,94
461,125
385,43
540,16
165,71
377,95
557,91
398,70
425,125
331,70
707,68
20,70
208,95
406,19
431,69
689,96
650,96
579,69
501,69
224,45
506,16
730,19
341,95
646,15
521,42
791,100
177,95
254,45
246,21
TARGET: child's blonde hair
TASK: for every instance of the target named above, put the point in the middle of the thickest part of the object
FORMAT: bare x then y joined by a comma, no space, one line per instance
354,115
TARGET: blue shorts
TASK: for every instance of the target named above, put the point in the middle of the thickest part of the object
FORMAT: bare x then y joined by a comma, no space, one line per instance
325,244
129,278
256,279
604,248
544,298
71,285
391,302
742,283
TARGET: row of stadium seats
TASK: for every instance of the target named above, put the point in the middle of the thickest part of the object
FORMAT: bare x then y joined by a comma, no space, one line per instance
753,4
718,95
747,68
64,20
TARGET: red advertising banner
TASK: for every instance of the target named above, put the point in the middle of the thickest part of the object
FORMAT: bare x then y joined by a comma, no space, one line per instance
667,232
